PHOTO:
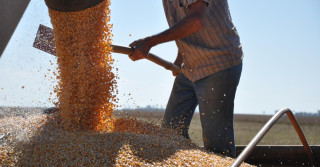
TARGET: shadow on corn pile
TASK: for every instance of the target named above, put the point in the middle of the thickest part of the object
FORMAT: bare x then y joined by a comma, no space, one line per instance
131,143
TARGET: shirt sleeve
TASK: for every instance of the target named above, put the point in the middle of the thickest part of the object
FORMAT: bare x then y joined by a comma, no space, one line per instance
193,1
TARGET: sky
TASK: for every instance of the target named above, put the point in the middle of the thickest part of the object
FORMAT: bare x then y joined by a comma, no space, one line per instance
281,41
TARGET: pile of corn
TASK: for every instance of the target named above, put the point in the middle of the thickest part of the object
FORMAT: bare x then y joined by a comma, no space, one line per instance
87,85
132,143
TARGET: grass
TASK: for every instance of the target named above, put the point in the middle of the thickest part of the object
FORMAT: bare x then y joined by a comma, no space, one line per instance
247,126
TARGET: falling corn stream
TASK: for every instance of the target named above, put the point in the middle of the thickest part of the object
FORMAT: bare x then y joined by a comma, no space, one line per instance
87,85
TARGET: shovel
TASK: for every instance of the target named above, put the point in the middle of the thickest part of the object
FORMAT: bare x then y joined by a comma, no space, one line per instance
45,41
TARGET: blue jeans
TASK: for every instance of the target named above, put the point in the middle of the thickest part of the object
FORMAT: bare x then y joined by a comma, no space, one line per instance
215,96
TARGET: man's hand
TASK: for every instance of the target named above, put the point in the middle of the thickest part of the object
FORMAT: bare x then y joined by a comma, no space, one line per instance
175,74
192,23
178,62
142,48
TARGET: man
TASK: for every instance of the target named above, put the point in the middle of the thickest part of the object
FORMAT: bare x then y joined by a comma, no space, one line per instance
210,57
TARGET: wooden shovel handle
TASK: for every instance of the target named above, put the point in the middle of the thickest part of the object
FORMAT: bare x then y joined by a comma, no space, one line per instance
151,57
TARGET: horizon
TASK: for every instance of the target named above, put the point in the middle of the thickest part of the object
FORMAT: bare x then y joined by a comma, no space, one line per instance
147,109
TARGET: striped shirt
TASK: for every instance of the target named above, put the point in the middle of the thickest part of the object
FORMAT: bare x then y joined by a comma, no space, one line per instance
214,48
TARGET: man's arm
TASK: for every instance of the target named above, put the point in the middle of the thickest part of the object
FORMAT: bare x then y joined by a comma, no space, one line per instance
192,23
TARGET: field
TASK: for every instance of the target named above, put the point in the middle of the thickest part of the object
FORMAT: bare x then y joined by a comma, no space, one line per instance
247,126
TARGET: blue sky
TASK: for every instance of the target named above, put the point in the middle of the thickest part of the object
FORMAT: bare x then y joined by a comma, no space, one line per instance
281,41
